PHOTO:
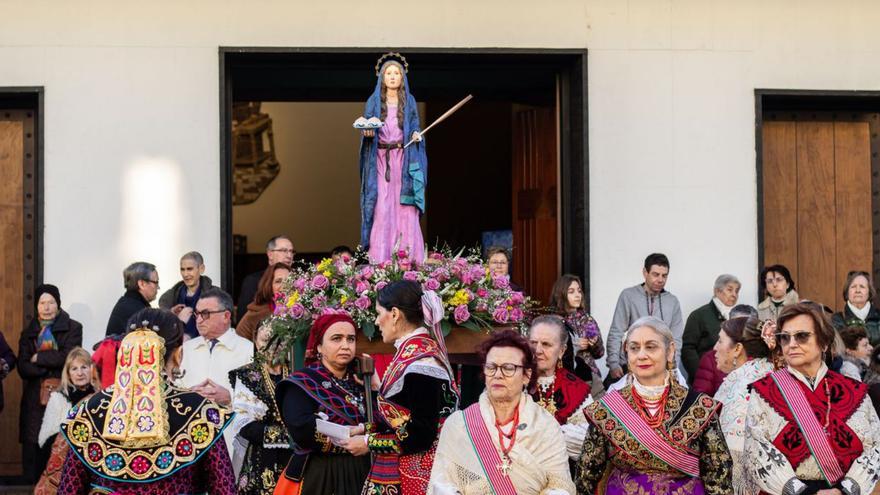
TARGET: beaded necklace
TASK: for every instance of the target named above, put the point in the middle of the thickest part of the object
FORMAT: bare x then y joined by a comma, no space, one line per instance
504,467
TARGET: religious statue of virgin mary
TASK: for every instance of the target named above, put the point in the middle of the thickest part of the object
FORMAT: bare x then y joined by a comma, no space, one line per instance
393,175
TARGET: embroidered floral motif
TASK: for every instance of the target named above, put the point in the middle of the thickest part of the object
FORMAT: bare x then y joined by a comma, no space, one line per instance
80,432
95,452
199,433
213,415
140,465
116,426
145,423
184,448
114,462
164,460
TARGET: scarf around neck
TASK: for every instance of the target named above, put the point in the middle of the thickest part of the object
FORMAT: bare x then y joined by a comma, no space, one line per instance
861,314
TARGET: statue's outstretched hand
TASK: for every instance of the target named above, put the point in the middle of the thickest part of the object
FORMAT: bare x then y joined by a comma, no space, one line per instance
417,137
368,133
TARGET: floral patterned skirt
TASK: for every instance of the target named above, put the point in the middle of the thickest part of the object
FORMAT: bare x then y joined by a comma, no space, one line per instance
625,482
261,470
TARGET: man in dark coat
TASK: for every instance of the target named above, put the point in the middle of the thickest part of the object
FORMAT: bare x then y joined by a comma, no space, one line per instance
181,299
42,350
141,286
704,323
7,364
279,249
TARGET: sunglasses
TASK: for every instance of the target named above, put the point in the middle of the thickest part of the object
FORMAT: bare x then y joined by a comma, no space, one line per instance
800,338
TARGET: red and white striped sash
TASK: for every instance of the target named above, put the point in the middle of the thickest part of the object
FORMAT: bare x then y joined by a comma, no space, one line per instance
486,451
809,425
687,463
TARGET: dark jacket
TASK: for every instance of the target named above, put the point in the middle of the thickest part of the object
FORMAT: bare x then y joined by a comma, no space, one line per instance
248,292
8,356
68,334
247,326
170,297
872,322
700,335
708,377
130,303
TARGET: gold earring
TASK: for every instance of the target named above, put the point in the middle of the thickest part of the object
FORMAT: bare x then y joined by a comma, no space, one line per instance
670,365
559,364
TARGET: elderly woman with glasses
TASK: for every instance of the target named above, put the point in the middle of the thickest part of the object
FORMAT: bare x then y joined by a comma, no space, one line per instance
505,443
809,429
654,435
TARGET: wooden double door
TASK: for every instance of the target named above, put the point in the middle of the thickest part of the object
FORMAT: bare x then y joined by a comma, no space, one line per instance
17,259
817,200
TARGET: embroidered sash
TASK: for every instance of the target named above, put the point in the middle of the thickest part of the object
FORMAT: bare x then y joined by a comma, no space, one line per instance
809,425
687,463
486,452
318,384
413,349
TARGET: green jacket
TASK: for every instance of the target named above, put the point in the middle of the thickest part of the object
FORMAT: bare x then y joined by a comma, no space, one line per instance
700,335
872,322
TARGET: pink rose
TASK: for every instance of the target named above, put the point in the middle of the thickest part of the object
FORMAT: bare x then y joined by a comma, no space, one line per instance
299,284
440,274
516,298
297,311
500,281
362,287
320,282
401,253
461,314
367,271
465,278
381,285
482,307
412,276
436,256
362,303
477,272
405,264
319,301
500,315
432,284
481,292
516,314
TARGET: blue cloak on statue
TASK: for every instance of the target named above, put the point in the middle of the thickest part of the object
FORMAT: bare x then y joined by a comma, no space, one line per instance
415,161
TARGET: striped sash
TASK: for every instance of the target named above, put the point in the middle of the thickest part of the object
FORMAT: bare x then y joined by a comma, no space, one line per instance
687,463
809,425
486,452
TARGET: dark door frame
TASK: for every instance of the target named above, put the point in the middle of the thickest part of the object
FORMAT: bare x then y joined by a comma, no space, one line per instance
30,99
573,153
818,102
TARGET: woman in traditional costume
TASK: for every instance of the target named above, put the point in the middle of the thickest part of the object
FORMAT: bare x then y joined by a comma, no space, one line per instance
504,444
657,436
742,353
393,178
261,445
325,389
143,435
809,429
558,390
416,395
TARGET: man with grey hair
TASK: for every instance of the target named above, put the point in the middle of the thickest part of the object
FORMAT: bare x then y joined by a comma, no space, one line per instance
704,323
279,249
141,286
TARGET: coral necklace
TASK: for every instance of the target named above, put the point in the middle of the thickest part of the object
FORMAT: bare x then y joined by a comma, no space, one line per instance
505,464
644,407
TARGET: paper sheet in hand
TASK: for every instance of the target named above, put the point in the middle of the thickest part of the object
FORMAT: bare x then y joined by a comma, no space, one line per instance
332,430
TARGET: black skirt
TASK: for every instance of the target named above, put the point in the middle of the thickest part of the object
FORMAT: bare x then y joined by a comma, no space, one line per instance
335,474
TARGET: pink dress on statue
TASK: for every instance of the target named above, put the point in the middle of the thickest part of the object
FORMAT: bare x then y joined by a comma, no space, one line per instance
393,223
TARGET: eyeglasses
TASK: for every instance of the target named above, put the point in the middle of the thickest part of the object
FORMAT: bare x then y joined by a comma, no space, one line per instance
206,313
285,251
800,338
778,280
507,369
498,263
153,282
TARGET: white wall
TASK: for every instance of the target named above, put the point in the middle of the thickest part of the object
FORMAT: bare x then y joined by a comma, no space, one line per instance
131,95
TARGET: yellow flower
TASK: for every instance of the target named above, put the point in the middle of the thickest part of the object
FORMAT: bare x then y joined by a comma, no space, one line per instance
294,297
460,297
327,273
343,299
324,265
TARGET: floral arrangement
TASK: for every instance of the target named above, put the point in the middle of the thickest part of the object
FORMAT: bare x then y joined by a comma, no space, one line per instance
474,297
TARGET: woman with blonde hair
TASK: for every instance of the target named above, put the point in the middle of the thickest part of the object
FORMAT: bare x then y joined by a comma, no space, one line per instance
78,382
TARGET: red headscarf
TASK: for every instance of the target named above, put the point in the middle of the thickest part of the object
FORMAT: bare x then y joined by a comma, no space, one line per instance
319,327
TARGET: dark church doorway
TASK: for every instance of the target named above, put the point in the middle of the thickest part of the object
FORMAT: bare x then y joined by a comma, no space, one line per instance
513,159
